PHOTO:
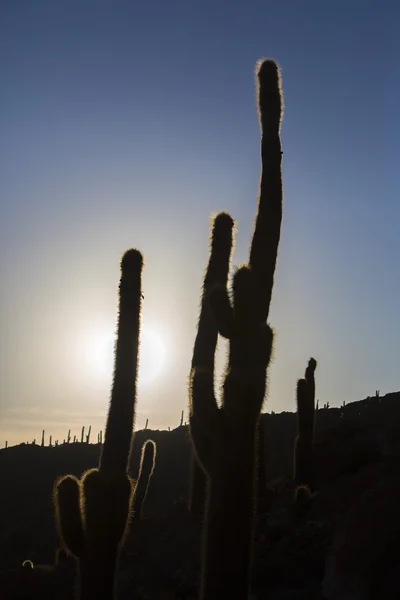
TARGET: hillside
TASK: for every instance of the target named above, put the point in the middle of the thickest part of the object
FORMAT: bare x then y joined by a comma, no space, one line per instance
358,449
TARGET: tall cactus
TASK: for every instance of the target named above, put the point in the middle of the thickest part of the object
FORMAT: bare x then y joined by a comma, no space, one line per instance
224,439
93,513
147,464
69,436
304,443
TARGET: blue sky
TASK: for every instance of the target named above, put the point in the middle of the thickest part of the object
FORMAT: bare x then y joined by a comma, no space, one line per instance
127,124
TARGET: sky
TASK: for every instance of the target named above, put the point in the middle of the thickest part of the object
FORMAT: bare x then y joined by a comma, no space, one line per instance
128,124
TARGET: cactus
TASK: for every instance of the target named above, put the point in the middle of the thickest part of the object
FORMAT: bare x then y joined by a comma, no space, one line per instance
56,442
147,422
88,434
181,423
147,464
82,434
69,436
61,556
43,437
93,514
50,444
224,438
304,443
261,470
302,500
74,439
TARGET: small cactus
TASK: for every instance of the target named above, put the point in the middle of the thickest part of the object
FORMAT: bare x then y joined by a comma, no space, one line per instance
304,443
147,422
82,434
69,436
88,434
43,438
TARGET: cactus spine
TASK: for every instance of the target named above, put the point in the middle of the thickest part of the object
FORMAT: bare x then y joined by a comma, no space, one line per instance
147,464
304,443
93,513
224,439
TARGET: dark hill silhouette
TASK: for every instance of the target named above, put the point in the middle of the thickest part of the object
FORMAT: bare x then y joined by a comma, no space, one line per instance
358,445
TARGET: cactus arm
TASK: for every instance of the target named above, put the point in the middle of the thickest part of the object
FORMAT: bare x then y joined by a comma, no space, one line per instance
216,276
264,246
147,464
67,502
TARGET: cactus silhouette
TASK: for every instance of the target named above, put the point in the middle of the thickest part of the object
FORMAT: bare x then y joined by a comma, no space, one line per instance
82,434
43,437
69,436
88,434
261,469
224,438
93,514
304,443
147,464
206,340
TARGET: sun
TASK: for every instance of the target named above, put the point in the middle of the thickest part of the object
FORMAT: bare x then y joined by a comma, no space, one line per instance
152,355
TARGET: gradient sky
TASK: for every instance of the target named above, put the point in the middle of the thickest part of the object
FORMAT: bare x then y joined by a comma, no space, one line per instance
127,124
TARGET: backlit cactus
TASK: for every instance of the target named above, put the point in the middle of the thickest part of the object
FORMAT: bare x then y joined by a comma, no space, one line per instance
304,443
224,438
147,464
93,513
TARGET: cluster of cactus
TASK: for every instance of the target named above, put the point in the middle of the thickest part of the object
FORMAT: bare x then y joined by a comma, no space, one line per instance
224,438
93,513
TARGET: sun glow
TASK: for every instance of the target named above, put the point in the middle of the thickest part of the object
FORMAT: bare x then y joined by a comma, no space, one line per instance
152,355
